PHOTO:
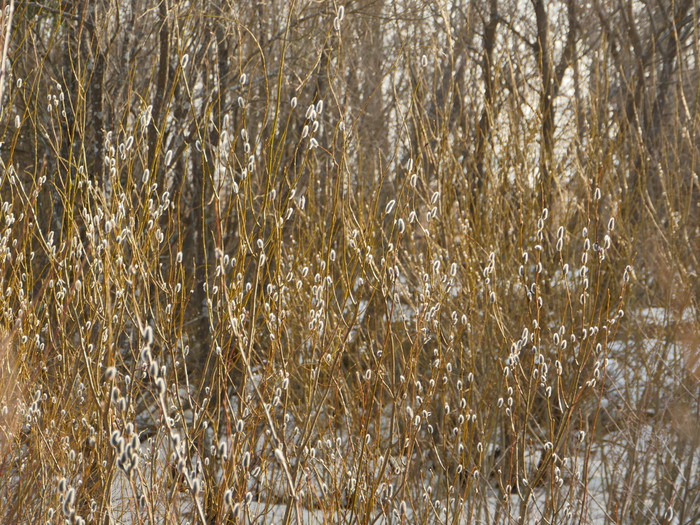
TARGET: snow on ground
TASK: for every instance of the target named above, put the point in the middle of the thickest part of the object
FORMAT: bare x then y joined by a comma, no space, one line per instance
613,464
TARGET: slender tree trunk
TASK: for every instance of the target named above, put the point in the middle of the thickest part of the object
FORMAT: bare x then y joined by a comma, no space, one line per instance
155,135
486,119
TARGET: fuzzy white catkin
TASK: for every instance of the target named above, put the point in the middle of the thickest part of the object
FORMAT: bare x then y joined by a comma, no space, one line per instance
279,455
401,225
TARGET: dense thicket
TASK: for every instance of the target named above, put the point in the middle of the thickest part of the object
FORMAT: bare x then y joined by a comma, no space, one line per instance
424,261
